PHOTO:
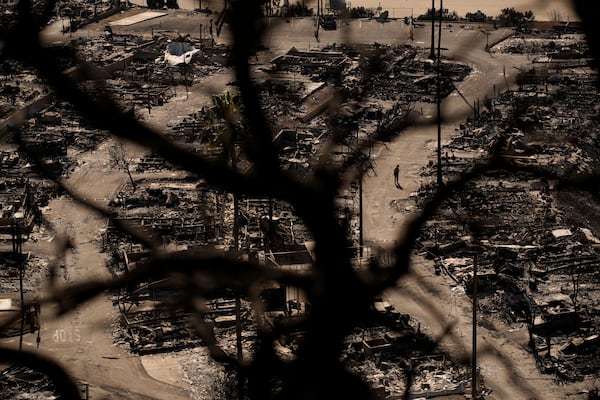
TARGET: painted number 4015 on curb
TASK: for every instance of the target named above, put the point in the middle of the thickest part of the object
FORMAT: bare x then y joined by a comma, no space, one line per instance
68,335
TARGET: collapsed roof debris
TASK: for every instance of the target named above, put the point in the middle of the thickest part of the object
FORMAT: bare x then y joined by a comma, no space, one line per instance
22,382
21,87
18,207
402,75
552,46
320,65
386,355
536,256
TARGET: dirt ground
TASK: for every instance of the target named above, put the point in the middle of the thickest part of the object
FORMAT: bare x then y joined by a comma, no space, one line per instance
86,348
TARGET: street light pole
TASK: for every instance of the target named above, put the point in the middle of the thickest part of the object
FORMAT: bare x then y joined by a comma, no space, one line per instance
440,181
412,25
238,302
474,332
432,54
318,19
361,242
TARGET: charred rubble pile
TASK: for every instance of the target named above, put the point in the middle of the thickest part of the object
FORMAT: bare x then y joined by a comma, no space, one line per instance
9,12
184,215
19,209
47,135
204,131
20,382
536,254
148,69
75,13
162,60
274,223
80,12
152,162
180,60
21,273
390,347
138,65
46,143
551,44
287,99
385,351
105,51
268,230
299,86
201,131
152,323
17,382
401,75
297,108
322,66
20,87
131,95
10,162
299,148
550,123
179,212
271,227
35,270
535,270
388,367
149,322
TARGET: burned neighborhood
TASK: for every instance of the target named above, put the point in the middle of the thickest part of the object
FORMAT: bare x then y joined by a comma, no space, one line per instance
261,200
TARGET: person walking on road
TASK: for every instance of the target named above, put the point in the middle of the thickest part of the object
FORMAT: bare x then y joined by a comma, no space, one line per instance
396,174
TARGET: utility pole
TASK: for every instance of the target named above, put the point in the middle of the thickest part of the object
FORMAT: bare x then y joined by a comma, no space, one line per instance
17,253
432,54
360,215
318,19
238,313
412,24
474,350
440,181
238,301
